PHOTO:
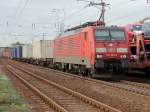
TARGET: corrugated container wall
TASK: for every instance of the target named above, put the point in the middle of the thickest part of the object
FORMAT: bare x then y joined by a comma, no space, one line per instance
13,55
6,52
27,51
43,49
1,51
16,52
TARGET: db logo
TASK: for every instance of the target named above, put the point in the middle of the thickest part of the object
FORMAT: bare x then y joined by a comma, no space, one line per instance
110,44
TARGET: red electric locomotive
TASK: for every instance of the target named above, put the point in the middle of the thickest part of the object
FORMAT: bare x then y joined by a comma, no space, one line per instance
92,49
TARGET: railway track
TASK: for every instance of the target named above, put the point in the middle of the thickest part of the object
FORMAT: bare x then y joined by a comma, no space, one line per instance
133,87
136,84
58,97
36,104
123,85
142,88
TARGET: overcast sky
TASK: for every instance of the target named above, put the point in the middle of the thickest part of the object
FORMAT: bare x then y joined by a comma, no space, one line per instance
27,20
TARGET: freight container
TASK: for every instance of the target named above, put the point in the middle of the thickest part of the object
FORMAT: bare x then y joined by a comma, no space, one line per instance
16,52
19,51
13,52
43,49
27,51
1,51
6,53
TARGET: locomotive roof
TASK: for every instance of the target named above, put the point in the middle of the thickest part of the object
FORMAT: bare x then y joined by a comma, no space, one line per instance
93,23
110,27
71,32
80,28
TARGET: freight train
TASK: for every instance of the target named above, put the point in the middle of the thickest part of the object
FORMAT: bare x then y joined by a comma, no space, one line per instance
90,49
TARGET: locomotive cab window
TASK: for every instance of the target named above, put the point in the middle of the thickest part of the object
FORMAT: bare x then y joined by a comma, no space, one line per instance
117,35
109,34
102,35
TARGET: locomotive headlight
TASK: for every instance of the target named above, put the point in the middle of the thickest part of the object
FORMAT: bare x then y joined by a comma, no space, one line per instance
122,50
123,56
99,56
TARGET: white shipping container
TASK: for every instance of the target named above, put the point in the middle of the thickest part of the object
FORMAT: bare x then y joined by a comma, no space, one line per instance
27,51
43,49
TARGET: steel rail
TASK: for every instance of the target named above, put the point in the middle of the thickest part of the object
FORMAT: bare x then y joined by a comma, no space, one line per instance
52,103
103,107
98,81
136,84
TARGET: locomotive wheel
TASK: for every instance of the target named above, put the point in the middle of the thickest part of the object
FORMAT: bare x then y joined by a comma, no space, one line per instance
79,72
90,73
84,73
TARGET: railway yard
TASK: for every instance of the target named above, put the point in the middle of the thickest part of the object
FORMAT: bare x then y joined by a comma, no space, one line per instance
47,90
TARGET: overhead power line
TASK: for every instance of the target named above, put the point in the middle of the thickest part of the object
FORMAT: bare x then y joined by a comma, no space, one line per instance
22,10
19,15
74,13
103,5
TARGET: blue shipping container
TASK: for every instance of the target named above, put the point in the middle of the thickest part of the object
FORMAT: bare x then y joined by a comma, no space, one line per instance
19,51
16,52
13,53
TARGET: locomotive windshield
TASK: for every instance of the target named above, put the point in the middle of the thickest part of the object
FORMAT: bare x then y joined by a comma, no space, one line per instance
109,34
102,35
117,35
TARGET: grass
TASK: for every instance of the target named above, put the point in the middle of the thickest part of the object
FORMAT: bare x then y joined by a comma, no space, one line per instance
9,101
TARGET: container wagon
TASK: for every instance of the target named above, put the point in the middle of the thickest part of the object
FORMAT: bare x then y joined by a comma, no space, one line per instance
27,53
43,52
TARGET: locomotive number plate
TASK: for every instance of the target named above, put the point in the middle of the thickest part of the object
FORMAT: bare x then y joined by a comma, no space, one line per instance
111,49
